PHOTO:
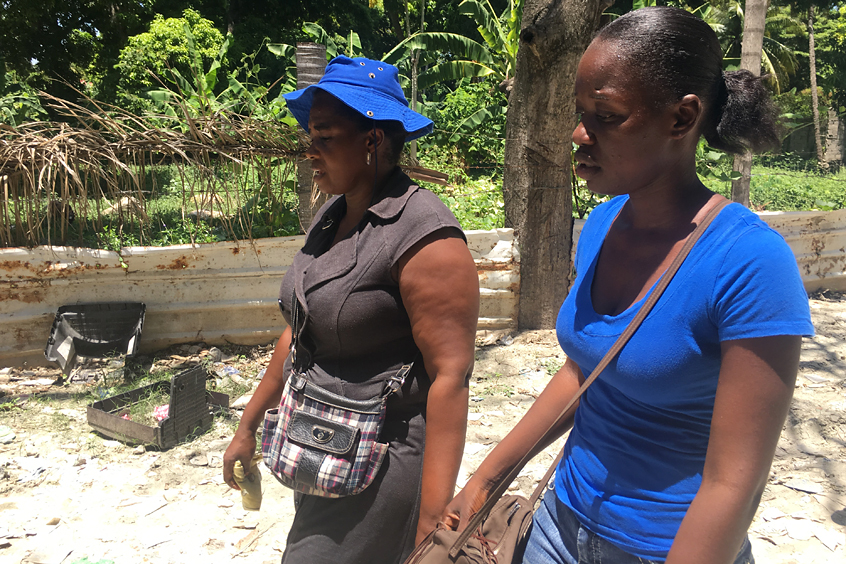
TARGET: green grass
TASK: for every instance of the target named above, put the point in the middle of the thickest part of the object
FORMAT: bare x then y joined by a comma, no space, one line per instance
476,204
267,207
782,189
253,207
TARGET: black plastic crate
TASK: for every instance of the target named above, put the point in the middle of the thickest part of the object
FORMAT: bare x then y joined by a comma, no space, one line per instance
94,330
189,413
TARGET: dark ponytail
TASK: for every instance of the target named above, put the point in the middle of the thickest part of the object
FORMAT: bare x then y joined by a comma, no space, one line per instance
676,54
745,118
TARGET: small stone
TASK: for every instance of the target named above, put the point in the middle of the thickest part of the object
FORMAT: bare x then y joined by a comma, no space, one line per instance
829,538
241,402
771,513
53,522
194,349
216,354
140,449
80,462
6,435
804,486
799,529
199,461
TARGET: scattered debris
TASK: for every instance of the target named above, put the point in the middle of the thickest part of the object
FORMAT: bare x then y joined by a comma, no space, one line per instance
6,435
241,402
804,486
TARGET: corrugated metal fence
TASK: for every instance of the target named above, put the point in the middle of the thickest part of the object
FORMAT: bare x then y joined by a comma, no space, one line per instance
226,292
217,293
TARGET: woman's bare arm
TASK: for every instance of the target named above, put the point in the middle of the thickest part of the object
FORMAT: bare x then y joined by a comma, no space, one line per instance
529,430
440,290
756,383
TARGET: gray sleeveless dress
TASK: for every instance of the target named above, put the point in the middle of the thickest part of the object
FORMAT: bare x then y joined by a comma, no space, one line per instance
357,334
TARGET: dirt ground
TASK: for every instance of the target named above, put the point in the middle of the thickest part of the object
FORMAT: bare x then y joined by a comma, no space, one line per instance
70,495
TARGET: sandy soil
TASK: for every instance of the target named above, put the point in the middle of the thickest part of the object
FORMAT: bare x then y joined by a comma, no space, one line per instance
71,495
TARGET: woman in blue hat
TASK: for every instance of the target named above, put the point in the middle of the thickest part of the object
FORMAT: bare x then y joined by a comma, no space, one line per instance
385,278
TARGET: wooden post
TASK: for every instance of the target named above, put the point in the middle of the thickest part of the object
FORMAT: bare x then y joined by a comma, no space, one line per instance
311,64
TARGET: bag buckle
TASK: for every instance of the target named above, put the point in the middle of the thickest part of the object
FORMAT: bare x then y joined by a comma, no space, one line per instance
395,382
297,382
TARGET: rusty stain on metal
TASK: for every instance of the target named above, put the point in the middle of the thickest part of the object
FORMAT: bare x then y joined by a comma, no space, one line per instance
177,264
26,297
817,245
14,264
495,266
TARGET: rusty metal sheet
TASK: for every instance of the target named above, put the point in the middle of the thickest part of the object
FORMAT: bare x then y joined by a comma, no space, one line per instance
217,293
818,240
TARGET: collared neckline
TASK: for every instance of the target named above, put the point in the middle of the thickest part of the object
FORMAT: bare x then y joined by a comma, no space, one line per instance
398,189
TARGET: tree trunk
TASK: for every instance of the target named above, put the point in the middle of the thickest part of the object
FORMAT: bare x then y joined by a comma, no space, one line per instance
311,62
415,58
537,186
834,141
754,20
815,102
392,9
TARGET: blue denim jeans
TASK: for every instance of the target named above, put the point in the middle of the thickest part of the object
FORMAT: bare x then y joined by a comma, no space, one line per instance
557,537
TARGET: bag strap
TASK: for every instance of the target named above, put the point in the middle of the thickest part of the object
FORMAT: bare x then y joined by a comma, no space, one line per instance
392,384
633,325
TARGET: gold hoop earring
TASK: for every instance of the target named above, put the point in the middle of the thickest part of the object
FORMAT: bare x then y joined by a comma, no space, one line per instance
368,158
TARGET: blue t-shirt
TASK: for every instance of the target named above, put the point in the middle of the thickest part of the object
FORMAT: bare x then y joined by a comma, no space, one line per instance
634,460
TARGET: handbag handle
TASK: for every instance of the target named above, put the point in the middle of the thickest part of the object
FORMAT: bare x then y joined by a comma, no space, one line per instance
621,341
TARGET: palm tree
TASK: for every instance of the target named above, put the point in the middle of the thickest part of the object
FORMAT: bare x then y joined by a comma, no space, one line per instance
815,103
750,59
778,61
453,56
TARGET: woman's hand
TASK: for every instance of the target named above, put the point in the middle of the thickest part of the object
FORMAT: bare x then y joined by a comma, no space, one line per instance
266,396
465,505
242,447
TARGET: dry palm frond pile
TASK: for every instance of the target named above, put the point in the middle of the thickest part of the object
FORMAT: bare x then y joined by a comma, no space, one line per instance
58,180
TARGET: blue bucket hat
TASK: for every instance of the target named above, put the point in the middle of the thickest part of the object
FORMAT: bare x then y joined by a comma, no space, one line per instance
369,87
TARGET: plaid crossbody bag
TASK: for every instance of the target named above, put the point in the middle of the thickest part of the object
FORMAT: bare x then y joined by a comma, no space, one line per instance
319,443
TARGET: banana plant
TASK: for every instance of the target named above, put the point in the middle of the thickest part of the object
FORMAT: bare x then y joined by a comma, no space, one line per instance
18,101
196,97
353,47
455,56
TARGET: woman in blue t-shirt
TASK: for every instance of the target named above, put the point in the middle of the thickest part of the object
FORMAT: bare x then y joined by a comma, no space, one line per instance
671,447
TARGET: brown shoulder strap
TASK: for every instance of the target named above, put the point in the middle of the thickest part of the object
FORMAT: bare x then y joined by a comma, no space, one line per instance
630,329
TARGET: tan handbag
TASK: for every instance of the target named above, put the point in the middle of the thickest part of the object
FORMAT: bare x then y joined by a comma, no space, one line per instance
497,534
